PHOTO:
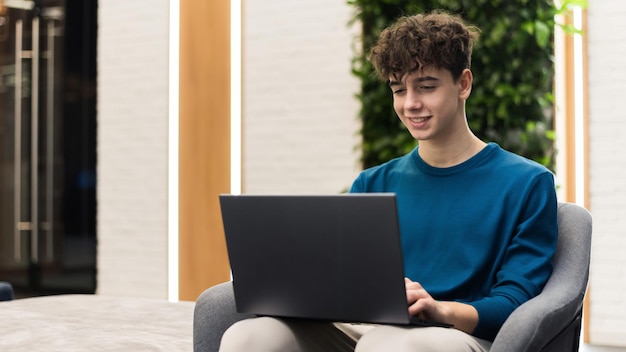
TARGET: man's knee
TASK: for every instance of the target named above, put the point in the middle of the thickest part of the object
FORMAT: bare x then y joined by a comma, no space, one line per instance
431,339
263,333
383,338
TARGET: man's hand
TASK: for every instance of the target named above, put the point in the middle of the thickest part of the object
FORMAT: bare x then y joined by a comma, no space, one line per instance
463,316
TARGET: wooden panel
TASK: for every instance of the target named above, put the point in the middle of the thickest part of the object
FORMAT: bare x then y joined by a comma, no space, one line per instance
204,143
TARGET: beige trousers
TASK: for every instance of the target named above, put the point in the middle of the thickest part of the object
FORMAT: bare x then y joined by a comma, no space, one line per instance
295,335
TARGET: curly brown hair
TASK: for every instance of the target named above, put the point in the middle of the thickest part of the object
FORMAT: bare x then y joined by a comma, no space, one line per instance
437,39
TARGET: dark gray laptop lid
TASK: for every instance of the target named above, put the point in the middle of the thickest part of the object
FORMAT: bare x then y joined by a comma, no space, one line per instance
329,257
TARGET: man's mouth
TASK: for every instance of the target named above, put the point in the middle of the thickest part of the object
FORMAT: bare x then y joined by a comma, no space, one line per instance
418,119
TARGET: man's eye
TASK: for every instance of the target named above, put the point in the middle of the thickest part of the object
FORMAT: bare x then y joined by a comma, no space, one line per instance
427,87
398,91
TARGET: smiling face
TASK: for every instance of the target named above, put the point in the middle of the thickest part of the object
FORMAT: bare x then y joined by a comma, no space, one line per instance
431,104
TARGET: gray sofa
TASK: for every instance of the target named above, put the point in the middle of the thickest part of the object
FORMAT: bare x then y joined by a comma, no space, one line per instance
95,323
550,322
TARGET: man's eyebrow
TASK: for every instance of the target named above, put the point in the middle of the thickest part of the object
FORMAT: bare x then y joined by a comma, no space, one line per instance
416,80
424,79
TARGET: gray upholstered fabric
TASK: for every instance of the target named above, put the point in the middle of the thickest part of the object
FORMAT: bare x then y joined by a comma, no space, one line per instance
215,311
545,323
535,324
95,323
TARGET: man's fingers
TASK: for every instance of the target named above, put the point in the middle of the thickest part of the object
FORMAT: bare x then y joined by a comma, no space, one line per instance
411,284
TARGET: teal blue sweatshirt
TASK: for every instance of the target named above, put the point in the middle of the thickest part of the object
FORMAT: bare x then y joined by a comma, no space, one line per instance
482,232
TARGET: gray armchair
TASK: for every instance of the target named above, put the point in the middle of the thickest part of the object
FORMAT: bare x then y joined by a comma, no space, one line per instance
549,322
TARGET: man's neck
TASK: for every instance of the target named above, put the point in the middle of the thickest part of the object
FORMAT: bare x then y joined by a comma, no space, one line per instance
450,154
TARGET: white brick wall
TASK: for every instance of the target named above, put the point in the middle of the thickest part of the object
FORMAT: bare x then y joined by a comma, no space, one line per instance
300,114
607,164
132,147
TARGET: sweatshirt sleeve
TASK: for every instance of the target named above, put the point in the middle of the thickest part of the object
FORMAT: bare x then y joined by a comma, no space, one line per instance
527,264
357,185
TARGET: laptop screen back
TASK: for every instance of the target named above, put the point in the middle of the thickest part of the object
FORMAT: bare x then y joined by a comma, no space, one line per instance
329,257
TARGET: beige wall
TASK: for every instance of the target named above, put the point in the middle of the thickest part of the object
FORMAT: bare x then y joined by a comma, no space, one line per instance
607,166
300,113
132,147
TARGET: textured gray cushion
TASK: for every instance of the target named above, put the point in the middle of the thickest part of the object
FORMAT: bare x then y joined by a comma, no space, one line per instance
95,323
545,323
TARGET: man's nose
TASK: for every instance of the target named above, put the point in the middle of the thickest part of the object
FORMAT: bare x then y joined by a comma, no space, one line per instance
413,101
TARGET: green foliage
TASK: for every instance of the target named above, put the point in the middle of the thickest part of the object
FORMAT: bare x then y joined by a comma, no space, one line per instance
512,98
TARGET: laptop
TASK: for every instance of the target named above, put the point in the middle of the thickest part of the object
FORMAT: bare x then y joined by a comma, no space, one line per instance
324,257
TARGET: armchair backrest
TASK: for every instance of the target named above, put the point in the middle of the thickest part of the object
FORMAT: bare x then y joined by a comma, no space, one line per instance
551,321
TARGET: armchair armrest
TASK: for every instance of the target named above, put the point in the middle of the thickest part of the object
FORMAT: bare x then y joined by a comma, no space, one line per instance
546,321
534,325
215,311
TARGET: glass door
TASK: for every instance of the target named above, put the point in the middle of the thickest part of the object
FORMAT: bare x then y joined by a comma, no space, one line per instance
37,254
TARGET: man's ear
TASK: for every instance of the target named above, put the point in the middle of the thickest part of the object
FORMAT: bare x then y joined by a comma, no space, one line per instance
465,84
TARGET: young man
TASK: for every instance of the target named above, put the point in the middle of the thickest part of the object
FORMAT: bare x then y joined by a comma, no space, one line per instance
478,224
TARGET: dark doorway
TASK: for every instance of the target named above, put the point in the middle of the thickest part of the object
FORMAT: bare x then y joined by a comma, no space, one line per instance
48,146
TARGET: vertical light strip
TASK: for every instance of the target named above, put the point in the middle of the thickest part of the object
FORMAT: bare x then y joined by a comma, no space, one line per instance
579,110
559,118
172,172
235,96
